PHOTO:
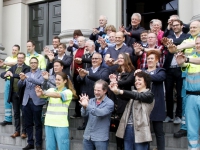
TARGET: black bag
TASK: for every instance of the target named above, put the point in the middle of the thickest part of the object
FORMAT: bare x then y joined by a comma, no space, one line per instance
114,123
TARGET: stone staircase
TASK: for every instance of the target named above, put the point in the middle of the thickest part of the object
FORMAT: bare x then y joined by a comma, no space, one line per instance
76,136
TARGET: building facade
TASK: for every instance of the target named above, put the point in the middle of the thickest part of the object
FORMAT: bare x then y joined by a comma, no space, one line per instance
75,14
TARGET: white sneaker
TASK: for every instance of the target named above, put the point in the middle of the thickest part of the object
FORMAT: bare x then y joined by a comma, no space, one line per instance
168,119
177,120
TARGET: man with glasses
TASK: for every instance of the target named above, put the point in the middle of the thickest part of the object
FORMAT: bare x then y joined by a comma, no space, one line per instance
113,52
141,51
87,78
32,105
16,93
174,75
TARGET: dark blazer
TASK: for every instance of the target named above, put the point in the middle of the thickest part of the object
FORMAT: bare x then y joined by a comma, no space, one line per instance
87,83
95,37
176,41
25,69
70,49
67,61
125,83
157,88
135,35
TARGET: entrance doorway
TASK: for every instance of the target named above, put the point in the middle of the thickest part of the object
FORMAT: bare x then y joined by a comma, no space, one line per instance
149,9
44,23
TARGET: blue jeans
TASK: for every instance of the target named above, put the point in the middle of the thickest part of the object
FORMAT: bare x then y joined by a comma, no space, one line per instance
95,145
8,106
57,136
129,140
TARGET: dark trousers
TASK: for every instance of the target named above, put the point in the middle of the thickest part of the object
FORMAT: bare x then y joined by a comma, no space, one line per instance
33,113
159,133
173,76
16,103
78,92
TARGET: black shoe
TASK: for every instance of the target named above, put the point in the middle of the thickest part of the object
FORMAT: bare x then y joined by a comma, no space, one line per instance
180,133
81,127
29,146
38,147
75,116
5,123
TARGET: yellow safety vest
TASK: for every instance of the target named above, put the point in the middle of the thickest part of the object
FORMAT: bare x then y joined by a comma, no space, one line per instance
41,59
57,111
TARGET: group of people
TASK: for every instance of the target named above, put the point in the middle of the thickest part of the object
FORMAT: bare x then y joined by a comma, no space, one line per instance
128,75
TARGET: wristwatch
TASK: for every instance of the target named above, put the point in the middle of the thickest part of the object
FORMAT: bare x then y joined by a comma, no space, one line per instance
187,60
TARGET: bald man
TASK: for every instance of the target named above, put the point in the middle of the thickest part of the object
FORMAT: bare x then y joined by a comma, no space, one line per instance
100,30
113,52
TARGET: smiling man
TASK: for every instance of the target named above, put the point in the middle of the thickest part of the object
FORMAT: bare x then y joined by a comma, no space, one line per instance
98,110
32,104
113,52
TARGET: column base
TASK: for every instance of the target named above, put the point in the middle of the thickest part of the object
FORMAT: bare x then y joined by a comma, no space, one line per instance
3,55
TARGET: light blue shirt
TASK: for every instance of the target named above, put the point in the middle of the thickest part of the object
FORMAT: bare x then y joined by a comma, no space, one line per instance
98,124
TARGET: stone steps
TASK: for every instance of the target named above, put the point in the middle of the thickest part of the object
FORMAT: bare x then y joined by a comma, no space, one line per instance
76,136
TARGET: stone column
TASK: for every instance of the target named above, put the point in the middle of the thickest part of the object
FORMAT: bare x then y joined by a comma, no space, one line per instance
77,14
2,53
84,15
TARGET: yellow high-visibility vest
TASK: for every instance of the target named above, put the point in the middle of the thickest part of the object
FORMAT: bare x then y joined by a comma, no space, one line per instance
57,111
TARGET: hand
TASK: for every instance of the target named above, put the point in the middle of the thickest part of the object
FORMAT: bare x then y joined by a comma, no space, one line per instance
45,75
172,48
138,48
110,61
82,72
1,63
71,43
9,73
113,77
51,57
46,50
78,60
22,76
95,31
164,41
103,44
136,71
114,87
127,33
180,58
84,99
38,91
122,29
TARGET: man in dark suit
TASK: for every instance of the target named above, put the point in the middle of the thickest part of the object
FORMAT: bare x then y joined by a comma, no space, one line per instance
100,30
87,78
66,59
16,93
174,74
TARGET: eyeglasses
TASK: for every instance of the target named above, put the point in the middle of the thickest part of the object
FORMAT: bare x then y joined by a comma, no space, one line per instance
95,58
176,25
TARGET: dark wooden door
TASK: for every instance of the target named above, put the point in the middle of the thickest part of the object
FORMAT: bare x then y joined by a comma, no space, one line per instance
44,23
38,29
54,19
